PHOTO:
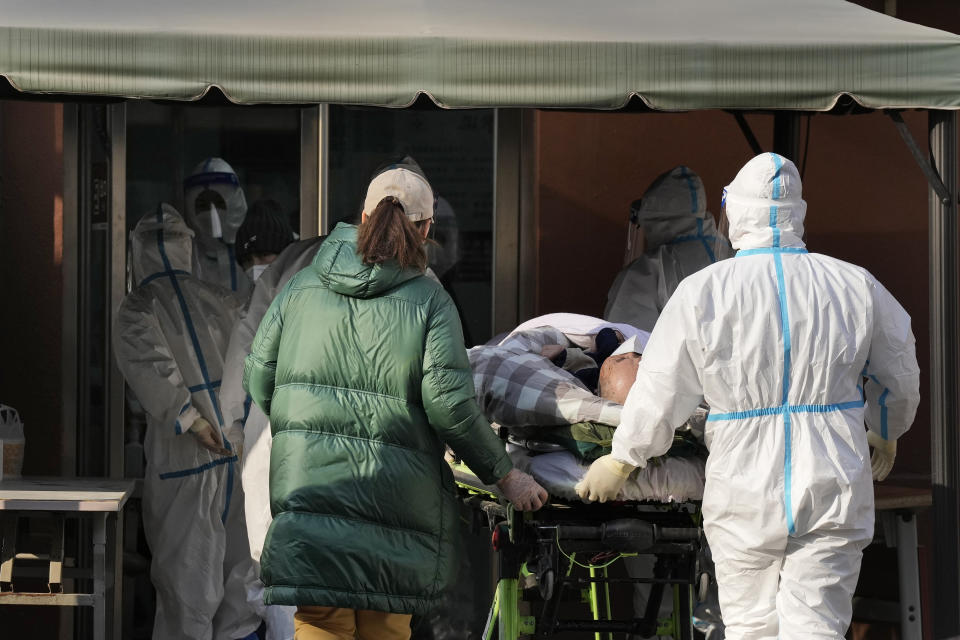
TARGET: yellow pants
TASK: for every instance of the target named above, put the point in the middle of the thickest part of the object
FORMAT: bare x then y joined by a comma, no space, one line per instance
332,623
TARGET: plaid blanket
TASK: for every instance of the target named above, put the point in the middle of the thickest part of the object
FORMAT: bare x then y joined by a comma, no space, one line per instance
517,387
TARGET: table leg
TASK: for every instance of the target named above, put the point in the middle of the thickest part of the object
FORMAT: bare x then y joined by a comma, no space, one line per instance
99,575
8,549
909,573
131,521
115,569
55,573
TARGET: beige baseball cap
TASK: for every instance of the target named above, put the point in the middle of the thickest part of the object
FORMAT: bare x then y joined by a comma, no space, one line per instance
410,188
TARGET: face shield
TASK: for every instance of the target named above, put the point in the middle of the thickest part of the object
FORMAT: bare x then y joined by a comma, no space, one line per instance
150,254
216,206
208,206
443,247
721,245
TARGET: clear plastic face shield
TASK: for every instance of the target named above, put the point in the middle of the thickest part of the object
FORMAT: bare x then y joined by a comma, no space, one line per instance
443,241
722,249
208,205
144,256
218,204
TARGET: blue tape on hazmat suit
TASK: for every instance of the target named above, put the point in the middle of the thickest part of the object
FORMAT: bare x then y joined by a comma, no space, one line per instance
777,341
170,336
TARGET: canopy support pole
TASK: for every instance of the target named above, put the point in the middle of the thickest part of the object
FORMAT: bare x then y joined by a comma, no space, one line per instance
786,134
747,132
944,377
933,178
514,231
314,213
116,434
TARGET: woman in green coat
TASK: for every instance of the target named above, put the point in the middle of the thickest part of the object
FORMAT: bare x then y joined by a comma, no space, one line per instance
361,367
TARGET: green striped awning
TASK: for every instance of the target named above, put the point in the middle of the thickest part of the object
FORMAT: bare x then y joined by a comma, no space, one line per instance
671,54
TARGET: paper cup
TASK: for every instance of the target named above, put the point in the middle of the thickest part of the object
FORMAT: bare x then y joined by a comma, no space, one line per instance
12,458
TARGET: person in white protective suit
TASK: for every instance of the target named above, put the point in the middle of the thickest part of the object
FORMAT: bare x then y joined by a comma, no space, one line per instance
250,421
170,337
793,351
215,207
670,236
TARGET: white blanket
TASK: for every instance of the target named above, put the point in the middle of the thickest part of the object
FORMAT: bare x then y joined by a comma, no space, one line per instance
670,480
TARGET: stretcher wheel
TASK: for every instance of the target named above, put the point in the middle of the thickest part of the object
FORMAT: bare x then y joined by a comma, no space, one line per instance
546,581
703,590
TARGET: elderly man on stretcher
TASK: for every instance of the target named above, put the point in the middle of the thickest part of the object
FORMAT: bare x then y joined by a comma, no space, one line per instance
557,384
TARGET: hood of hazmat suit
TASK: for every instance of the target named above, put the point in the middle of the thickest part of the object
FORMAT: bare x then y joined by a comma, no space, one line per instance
445,254
680,238
793,351
252,426
215,207
170,336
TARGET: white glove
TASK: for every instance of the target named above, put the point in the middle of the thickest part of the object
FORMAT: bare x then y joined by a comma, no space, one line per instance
522,491
604,479
884,453
207,437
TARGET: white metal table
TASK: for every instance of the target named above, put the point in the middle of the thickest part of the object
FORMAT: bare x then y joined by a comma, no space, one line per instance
897,508
97,499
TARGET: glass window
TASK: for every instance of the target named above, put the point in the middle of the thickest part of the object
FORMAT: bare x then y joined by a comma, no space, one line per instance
165,143
455,150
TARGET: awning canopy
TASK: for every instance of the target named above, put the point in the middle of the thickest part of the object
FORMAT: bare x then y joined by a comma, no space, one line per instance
671,54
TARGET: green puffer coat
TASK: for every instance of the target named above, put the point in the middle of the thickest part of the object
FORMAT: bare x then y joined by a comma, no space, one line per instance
364,375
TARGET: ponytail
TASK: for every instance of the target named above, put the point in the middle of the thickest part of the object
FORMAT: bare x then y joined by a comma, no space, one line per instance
389,235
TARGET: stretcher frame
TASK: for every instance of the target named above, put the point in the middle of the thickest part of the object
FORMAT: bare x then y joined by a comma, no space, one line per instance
537,563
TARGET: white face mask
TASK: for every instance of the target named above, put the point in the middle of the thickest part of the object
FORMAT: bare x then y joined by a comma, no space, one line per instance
210,222
256,271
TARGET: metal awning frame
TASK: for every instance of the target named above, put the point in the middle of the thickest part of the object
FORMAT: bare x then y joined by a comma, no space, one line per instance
939,166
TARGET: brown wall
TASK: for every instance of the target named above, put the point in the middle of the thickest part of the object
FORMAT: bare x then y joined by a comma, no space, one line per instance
867,204
31,247
938,14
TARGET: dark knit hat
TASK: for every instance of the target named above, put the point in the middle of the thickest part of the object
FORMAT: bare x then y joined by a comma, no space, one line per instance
264,230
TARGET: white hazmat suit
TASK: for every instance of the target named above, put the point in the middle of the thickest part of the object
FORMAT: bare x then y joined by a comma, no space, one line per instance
170,336
248,419
680,237
779,342
216,226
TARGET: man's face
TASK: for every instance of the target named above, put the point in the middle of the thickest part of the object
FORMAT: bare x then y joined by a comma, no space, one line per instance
617,375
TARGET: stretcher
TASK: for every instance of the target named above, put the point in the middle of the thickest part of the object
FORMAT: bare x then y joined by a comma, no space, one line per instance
561,554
